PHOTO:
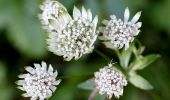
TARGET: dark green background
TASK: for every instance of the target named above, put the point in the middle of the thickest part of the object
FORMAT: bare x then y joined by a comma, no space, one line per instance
22,42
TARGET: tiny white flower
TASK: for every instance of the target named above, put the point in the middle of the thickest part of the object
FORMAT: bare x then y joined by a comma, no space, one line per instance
50,10
73,37
120,33
110,81
39,82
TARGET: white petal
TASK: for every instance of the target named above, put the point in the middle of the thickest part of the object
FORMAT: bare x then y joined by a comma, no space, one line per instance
57,82
76,13
84,13
50,69
22,75
30,69
41,98
66,17
136,17
20,82
95,21
33,99
53,88
55,73
89,15
25,95
44,65
77,56
126,14
94,39
21,88
139,24
137,33
62,22
56,24
37,66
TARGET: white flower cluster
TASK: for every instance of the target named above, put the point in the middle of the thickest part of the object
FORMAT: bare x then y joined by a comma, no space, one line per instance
110,81
120,33
50,10
73,37
39,82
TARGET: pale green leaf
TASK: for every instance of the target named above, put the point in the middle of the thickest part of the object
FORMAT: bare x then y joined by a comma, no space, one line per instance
140,82
100,97
25,31
143,62
87,85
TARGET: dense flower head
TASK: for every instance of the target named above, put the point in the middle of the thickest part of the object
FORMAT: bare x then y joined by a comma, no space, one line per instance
73,37
39,82
121,32
50,10
110,81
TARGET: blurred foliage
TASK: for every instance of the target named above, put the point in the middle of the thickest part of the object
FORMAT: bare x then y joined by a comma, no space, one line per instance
5,88
22,42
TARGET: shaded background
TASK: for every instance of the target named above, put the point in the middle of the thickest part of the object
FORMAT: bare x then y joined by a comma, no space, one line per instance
22,42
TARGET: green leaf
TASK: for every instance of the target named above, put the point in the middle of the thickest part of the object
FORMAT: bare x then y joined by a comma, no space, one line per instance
139,82
87,85
5,88
143,62
25,31
100,97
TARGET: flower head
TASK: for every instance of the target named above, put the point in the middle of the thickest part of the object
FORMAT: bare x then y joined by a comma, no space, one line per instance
50,10
110,81
73,37
39,82
121,32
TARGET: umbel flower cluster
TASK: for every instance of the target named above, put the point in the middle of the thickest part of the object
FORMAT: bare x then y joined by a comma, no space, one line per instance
121,32
50,10
70,37
110,81
73,36
39,82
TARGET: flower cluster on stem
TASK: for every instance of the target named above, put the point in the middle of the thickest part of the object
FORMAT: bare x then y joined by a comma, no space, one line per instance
110,81
39,82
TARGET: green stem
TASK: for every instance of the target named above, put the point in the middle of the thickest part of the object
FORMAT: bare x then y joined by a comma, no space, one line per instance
118,53
102,55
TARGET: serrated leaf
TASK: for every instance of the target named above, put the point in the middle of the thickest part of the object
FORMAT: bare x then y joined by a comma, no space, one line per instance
87,85
143,62
139,82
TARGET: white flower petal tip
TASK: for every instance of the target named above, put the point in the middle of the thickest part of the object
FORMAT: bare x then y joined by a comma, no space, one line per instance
126,14
110,81
40,84
50,10
76,13
89,15
84,13
76,37
121,33
136,17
